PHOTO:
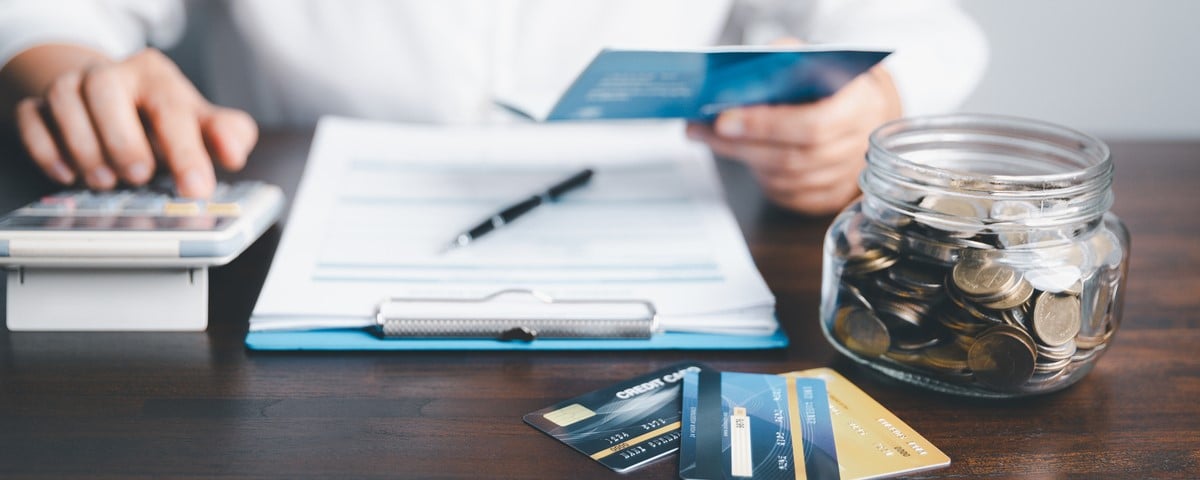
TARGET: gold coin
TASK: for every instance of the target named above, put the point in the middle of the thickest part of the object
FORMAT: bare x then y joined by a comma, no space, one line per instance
910,313
860,331
984,281
1056,318
869,261
918,277
1003,357
1047,354
948,357
909,338
904,357
1019,296
970,309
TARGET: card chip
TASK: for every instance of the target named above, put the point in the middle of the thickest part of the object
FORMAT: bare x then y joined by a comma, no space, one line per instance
569,414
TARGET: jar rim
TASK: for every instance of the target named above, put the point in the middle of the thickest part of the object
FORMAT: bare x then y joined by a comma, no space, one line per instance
1094,151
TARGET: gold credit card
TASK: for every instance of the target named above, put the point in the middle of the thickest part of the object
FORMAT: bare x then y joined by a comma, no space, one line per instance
871,441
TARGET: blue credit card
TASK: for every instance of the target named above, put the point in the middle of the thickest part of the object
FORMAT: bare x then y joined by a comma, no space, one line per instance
623,426
699,84
743,425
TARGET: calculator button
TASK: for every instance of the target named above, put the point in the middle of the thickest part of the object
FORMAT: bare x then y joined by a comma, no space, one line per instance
224,209
48,208
145,203
180,207
233,193
59,203
102,203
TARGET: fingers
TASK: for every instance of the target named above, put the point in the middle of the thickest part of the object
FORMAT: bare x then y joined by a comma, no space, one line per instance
74,124
105,123
108,93
40,143
176,129
816,201
814,180
230,135
803,124
772,158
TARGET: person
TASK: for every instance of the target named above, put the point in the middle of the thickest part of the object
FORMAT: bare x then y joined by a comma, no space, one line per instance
96,102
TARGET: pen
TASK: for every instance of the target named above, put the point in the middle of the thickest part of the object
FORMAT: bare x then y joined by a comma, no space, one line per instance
510,213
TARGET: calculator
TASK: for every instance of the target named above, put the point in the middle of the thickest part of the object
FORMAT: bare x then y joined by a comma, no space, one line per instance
144,227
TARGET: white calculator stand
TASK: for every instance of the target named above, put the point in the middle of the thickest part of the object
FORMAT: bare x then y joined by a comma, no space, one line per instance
125,260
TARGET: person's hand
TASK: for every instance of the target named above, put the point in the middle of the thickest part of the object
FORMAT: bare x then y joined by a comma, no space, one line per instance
807,157
108,122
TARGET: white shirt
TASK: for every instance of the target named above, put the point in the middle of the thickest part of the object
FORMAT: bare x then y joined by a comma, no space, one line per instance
288,62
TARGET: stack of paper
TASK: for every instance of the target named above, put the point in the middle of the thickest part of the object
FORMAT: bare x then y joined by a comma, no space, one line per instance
379,202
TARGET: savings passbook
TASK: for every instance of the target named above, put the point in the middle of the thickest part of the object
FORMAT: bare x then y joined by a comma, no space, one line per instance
698,84
624,426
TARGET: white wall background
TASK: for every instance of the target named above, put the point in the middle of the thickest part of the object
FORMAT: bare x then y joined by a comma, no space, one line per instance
1112,68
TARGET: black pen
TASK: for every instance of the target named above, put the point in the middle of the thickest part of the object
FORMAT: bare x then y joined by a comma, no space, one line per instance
511,212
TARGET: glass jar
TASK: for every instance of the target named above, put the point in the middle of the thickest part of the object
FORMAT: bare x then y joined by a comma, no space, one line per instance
981,259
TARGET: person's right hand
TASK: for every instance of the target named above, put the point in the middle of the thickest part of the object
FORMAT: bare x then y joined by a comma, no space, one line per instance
108,122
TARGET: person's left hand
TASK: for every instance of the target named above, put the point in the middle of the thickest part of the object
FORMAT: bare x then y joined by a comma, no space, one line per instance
807,157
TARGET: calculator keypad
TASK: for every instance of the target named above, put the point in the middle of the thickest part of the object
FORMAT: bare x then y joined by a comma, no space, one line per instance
153,207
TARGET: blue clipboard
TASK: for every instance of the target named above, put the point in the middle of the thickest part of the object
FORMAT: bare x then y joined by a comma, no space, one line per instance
513,319
356,339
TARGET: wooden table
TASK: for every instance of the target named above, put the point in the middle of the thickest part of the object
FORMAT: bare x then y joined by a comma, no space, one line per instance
126,405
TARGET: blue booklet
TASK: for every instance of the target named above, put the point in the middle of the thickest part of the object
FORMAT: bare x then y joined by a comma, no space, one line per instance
699,84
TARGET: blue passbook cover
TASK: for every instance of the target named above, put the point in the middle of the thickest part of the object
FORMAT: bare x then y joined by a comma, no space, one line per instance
699,84
356,339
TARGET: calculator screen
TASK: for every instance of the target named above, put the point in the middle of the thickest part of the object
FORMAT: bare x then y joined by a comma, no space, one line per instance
194,223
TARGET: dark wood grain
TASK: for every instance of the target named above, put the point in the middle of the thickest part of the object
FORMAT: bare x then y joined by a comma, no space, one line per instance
121,405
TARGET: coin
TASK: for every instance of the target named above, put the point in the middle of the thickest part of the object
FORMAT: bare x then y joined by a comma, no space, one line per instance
907,357
936,250
953,319
958,217
861,331
888,286
1090,342
1055,318
983,280
849,293
1050,367
905,312
1018,297
1003,357
869,261
1043,380
948,357
1048,354
975,313
918,276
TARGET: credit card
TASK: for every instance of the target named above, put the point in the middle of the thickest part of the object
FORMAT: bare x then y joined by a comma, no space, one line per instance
624,426
743,425
871,441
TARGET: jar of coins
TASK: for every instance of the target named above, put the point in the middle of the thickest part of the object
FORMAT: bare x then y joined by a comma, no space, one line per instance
981,259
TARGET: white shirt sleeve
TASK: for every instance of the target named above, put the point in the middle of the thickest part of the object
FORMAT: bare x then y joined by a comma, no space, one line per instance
117,28
940,53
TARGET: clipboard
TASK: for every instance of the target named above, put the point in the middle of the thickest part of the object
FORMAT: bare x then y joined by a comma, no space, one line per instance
512,319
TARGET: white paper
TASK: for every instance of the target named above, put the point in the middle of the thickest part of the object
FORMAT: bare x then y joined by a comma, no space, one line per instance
379,202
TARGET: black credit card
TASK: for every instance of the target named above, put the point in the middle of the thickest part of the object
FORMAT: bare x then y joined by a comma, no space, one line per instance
623,426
